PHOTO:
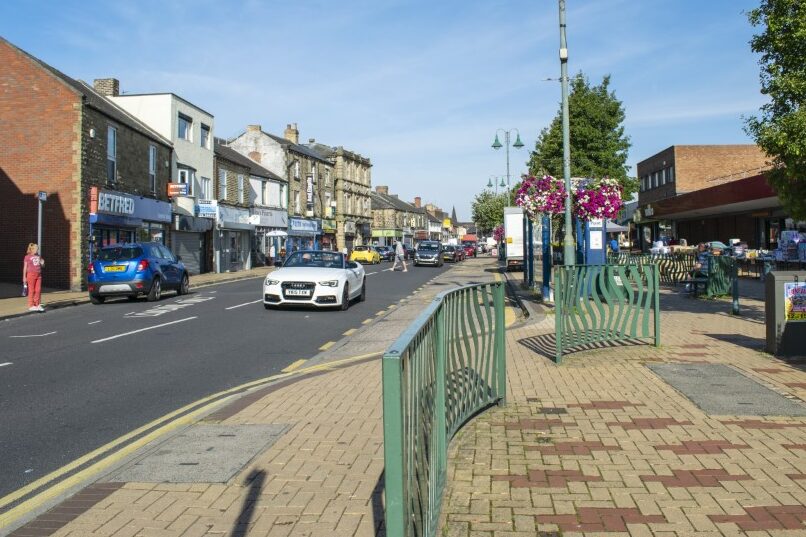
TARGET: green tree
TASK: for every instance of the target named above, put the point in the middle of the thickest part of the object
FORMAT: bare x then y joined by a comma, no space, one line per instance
599,146
780,128
488,210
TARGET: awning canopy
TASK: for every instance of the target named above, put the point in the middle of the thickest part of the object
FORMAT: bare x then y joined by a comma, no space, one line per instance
277,233
612,227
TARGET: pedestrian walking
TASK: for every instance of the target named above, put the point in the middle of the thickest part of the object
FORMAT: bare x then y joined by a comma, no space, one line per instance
32,276
273,254
400,257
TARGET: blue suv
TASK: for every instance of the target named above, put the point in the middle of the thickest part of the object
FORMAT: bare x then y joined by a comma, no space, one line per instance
132,270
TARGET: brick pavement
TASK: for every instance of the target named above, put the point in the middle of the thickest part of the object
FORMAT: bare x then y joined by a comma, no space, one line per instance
322,478
600,446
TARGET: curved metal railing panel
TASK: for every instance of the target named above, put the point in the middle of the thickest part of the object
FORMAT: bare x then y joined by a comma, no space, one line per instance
449,364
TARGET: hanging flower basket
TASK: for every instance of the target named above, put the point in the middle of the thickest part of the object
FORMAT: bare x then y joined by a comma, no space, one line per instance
498,233
545,195
599,198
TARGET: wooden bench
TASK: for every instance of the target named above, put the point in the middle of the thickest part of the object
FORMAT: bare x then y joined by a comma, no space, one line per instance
694,285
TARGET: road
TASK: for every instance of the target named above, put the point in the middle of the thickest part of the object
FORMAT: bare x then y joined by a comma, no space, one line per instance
73,379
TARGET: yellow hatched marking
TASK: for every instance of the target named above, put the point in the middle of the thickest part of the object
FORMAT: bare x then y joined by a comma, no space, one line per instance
380,313
350,332
366,321
293,365
327,345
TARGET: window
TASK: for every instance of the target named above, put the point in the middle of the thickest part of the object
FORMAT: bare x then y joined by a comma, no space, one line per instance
205,136
222,184
185,128
284,196
152,167
313,171
111,154
185,177
663,176
297,206
296,169
671,174
205,185
328,209
327,177
655,180
240,188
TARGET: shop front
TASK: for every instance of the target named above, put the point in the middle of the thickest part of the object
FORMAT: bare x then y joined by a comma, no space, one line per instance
303,234
233,244
270,232
386,237
329,234
118,217
349,236
190,238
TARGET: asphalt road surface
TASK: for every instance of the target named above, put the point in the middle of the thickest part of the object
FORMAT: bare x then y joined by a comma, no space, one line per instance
76,378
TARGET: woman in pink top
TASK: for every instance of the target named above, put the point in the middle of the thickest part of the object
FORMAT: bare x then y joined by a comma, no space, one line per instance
32,276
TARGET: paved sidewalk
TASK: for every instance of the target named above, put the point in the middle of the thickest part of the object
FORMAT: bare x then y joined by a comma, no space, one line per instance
18,305
322,477
602,446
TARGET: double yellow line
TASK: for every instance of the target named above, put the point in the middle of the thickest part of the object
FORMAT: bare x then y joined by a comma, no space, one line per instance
171,421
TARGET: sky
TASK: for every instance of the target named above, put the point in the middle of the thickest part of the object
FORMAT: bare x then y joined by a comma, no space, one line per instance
418,86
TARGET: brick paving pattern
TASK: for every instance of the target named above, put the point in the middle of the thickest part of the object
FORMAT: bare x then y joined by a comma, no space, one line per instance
632,456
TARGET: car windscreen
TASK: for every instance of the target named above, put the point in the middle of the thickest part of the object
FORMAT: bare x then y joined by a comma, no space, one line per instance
121,253
449,248
315,260
428,246
361,248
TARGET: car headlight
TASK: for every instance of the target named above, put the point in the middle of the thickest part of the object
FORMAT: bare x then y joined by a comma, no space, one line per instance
272,282
330,283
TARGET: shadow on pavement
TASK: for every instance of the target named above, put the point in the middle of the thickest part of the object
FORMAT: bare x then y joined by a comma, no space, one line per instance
255,479
740,340
378,520
546,344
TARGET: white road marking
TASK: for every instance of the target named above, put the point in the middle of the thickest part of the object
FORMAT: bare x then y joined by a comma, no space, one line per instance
143,329
371,273
244,304
168,308
387,270
94,322
5,364
37,335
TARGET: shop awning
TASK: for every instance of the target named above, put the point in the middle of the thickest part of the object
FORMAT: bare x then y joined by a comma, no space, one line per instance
612,227
277,233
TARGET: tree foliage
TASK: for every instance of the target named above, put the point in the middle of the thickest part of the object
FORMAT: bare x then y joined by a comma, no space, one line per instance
599,146
488,210
780,127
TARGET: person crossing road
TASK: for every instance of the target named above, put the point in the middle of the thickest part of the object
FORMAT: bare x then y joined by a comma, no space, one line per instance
400,256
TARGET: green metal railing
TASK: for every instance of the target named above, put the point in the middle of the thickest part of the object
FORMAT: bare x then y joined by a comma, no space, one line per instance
605,303
672,268
449,364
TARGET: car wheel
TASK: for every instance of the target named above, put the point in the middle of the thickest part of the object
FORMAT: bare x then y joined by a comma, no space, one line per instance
156,290
363,296
345,298
97,299
184,287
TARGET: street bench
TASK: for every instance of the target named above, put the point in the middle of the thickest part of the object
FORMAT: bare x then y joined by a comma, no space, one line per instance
692,285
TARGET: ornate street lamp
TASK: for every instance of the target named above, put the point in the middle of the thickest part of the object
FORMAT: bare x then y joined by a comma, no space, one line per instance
517,145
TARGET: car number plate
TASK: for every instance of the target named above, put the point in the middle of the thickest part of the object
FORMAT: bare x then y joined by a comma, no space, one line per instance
298,292
115,268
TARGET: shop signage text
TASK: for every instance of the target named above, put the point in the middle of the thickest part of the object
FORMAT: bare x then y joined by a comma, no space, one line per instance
329,226
301,224
349,227
177,189
119,204
795,301
115,204
268,217
207,208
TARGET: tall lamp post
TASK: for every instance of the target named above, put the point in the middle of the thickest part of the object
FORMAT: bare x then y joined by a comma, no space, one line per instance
517,145
490,182
569,255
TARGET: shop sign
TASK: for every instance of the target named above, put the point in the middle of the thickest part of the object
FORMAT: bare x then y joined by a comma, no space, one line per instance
207,208
177,189
191,224
795,301
420,235
305,225
597,223
386,233
349,227
110,202
329,226
649,211
233,217
447,223
268,217
309,192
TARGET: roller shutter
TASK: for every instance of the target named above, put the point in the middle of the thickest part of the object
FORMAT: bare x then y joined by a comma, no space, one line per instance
190,247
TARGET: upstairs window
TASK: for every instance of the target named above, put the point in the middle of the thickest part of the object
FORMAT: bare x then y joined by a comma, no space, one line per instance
152,167
205,185
185,176
205,136
111,154
240,188
296,169
222,184
185,131
327,177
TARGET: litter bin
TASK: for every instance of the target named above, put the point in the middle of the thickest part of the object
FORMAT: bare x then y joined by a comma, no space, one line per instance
785,308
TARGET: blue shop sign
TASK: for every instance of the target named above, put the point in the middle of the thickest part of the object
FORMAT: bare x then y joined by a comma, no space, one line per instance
121,209
303,227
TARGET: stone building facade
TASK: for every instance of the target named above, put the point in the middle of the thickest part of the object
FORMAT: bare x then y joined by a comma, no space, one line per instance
62,137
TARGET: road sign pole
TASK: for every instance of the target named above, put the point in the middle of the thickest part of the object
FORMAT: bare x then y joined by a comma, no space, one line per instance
41,198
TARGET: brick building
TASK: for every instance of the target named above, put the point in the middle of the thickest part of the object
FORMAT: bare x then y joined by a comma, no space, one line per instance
707,192
394,219
105,172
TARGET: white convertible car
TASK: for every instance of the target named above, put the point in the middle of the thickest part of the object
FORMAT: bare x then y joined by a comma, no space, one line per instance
315,278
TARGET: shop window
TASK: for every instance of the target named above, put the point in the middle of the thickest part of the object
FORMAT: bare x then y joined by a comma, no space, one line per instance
111,154
152,168
205,136
185,128
222,184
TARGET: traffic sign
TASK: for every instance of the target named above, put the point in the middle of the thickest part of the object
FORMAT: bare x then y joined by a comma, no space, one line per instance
42,196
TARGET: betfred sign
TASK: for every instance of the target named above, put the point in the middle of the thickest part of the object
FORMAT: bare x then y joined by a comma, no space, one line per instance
177,189
112,203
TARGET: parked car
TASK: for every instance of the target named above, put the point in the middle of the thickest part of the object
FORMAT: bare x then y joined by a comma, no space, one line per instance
135,269
365,255
428,253
469,249
410,251
387,252
451,253
315,278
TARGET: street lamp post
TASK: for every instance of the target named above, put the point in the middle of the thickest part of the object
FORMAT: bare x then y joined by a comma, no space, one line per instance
517,145
568,242
493,182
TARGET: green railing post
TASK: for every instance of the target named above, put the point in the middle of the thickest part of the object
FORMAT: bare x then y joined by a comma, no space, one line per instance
559,298
393,445
440,425
656,305
735,288
500,344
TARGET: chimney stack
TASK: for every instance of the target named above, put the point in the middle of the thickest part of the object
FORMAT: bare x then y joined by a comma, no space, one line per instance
311,141
418,202
291,133
382,190
109,87
253,128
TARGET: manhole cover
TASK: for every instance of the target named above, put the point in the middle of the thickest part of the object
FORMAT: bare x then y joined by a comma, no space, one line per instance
202,454
721,390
